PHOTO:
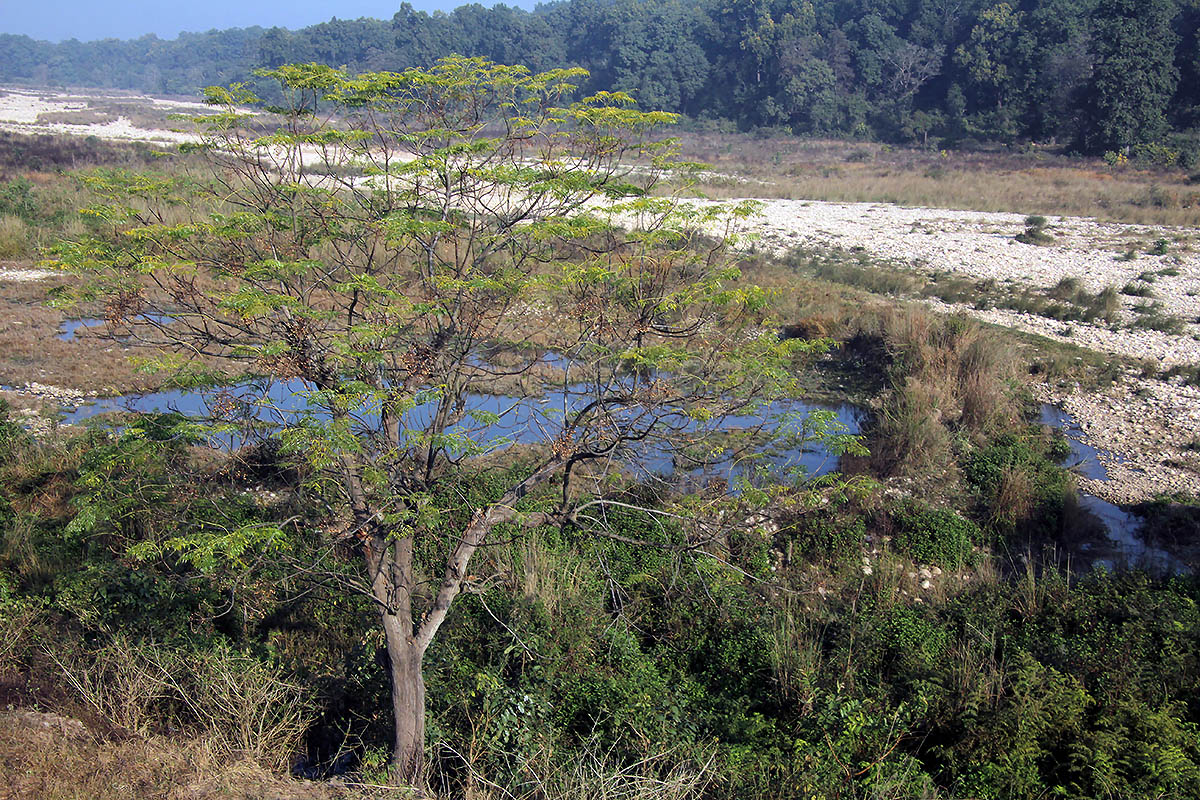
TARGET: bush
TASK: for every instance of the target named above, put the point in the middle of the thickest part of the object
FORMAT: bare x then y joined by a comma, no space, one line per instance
237,704
1020,483
14,237
16,199
1156,154
1035,232
935,536
1137,289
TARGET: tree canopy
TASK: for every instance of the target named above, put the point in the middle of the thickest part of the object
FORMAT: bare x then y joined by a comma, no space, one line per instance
892,69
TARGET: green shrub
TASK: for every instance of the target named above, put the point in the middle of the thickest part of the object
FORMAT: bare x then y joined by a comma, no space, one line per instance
17,199
1156,154
935,536
826,534
1035,232
1150,316
1019,481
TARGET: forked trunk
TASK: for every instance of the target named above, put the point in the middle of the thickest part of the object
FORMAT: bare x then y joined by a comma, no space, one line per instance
408,704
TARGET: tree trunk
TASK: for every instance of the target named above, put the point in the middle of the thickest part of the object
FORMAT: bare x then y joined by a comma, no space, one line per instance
408,703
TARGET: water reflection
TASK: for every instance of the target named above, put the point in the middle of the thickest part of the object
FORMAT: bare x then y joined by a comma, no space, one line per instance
69,327
1126,546
496,420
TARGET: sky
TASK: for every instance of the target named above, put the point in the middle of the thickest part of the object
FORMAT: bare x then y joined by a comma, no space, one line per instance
56,20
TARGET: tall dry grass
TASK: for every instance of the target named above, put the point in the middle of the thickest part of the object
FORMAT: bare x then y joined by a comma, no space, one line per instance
14,237
796,653
950,376
595,773
1038,182
237,705
49,757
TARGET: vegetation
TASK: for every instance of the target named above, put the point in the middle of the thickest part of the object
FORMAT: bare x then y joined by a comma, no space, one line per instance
1035,232
214,602
377,303
634,666
1109,76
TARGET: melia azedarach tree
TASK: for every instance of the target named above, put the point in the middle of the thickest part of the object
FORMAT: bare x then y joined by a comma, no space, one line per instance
395,249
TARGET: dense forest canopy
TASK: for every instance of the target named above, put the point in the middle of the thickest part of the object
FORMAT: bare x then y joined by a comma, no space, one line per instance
1101,75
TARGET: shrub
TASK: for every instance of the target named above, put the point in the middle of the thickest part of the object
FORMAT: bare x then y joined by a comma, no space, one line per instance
236,703
16,198
1151,317
14,237
1156,154
1020,482
935,536
908,429
1035,232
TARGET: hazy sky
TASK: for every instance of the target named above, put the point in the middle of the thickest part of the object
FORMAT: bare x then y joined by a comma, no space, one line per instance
55,20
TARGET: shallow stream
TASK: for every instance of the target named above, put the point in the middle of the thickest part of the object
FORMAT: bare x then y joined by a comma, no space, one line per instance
526,420
1126,546
519,419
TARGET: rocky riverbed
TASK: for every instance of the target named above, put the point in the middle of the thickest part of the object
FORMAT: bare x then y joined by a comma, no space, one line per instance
983,246
1147,429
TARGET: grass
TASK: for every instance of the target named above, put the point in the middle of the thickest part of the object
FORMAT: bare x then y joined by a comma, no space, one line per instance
852,268
30,350
43,155
89,116
1035,232
1190,373
1040,182
50,757
1150,316
1137,288
14,237
842,305
1066,301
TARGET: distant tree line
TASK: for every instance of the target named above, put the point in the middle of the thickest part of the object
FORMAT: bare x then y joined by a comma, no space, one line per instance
1097,75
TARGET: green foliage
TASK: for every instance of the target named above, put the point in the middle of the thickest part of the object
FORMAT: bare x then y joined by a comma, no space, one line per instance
1104,72
604,644
1019,481
935,535
829,533
1134,76
12,435
1034,232
17,198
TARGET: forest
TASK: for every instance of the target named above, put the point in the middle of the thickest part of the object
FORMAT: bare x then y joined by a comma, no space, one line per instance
1094,76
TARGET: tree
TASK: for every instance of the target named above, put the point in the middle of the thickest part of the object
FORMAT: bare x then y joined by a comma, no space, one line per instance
996,60
399,245
1134,77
